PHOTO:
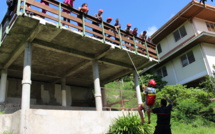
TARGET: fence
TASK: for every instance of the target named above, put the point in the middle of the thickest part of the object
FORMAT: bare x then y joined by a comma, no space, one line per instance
114,99
105,31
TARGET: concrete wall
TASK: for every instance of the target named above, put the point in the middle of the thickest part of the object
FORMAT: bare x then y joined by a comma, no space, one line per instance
209,53
10,123
200,25
168,43
61,122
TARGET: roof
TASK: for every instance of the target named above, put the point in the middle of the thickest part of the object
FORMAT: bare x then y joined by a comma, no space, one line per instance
192,9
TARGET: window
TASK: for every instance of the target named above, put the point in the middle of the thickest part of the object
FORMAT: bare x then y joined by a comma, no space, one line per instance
162,72
210,26
159,48
180,33
188,58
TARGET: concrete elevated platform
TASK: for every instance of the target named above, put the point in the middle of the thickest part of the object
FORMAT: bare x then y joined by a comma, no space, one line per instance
63,52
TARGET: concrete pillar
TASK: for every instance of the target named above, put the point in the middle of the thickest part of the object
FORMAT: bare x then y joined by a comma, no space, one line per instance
3,85
137,87
26,87
97,86
63,89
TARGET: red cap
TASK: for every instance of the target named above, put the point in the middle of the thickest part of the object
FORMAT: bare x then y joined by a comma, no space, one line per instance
129,25
109,18
152,82
100,10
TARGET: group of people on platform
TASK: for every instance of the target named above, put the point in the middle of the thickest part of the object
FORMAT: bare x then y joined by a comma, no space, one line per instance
84,9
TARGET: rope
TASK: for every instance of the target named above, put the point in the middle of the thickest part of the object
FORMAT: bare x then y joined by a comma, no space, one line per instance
134,66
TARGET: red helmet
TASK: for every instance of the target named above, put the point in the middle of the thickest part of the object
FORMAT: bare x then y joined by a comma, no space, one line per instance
84,9
109,18
129,25
101,10
152,82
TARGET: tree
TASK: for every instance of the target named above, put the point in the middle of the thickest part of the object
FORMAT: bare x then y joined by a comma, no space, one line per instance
209,83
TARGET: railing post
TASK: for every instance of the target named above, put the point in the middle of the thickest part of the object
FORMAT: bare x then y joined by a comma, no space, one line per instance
59,25
135,46
147,51
120,38
18,7
103,32
24,4
83,24
157,53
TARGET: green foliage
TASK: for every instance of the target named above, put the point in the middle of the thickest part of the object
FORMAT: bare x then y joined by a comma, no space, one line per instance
2,111
7,132
189,103
209,83
129,124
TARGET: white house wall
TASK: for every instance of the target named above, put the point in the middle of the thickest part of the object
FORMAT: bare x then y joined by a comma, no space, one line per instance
170,78
169,43
177,74
200,25
192,71
209,51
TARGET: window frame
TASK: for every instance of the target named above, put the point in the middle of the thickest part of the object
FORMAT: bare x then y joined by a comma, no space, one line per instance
162,72
179,33
187,58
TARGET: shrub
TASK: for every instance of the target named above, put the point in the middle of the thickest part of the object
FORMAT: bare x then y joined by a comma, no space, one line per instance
129,124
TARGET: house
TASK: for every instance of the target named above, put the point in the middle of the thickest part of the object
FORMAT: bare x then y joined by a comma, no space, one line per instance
186,45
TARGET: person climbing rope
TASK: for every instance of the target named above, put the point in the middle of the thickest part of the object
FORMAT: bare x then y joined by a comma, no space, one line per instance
150,96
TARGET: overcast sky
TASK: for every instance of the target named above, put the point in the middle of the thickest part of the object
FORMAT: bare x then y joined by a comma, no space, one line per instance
144,14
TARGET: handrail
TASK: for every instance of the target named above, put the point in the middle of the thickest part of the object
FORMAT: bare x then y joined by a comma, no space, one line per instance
87,26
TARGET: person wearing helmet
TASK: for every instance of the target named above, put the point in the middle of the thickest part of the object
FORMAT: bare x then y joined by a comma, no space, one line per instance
109,19
150,96
83,9
98,16
128,31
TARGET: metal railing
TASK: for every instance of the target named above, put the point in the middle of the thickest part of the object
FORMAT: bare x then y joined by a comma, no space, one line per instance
106,32
115,99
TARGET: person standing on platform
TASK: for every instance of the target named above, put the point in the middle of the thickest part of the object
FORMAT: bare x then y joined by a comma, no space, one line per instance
69,3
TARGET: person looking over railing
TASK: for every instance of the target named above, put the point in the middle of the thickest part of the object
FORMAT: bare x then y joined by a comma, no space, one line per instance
117,26
99,17
44,3
11,8
69,3
109,19
143,35
83,9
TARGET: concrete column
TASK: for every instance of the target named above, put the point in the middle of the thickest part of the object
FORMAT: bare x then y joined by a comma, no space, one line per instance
26,87
97,86
63,89
137,87
3,85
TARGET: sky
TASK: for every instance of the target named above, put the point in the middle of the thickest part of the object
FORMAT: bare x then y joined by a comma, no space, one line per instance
147,15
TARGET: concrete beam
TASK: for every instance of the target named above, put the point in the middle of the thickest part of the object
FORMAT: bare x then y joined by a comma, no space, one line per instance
20,48
73,52
61,49
137,87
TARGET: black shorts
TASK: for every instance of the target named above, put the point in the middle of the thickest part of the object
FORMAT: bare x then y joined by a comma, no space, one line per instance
163,129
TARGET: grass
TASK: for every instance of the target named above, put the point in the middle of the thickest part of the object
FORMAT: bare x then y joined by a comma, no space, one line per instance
182,128
7,132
